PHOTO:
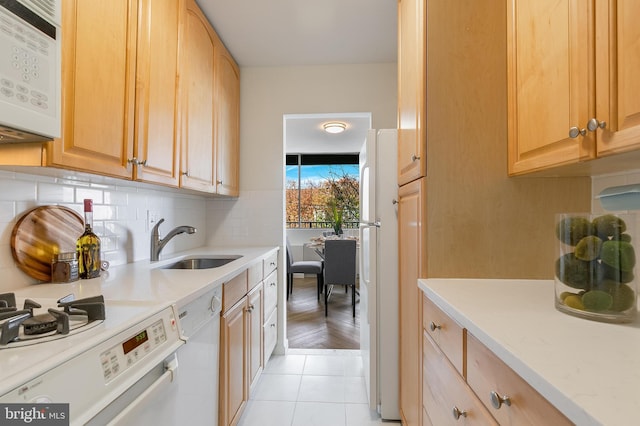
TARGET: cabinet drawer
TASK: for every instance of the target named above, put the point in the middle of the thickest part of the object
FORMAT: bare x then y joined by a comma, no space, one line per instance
486,373
254,275
444,391
444,331
270,292
270,263
234,290
270,334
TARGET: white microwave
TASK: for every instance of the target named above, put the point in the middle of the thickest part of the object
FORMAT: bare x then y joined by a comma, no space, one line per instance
30,70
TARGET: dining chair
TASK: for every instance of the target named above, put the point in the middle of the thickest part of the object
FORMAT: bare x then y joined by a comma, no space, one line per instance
339,269
303,267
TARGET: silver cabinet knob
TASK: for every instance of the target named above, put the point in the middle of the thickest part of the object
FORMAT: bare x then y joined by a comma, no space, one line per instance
185,174
433,326
394,201
574,132
497,400
594,124
414,158
457,413
219,182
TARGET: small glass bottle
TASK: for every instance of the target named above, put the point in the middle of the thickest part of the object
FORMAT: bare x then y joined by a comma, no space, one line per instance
64,267
88,246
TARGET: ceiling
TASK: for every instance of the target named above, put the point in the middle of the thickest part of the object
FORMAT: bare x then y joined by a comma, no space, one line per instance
304,133
285,33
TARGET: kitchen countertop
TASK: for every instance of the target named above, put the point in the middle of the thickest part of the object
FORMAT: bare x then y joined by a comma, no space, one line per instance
143,288
589,370
146,281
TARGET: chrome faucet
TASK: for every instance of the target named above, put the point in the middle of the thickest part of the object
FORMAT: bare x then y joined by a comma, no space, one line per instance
157,243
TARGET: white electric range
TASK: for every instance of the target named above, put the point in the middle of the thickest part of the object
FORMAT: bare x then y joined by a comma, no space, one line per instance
88,366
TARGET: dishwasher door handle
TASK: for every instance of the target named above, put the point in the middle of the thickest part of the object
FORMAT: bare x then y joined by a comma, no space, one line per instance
161,384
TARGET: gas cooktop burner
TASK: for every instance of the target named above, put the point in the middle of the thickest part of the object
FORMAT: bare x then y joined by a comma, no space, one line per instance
19,327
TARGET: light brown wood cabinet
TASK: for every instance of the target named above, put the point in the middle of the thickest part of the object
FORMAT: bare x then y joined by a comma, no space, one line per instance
151,94
210,109
119,90
412,263
465,383
197,91
248,334
241,345
509,398
572,67
227,122
412,162
447,399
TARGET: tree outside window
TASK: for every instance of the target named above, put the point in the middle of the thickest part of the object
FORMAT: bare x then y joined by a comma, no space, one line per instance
320,189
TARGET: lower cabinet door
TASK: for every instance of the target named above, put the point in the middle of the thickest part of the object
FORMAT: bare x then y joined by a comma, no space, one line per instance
233,391
445,396
254,331
270,334
511,400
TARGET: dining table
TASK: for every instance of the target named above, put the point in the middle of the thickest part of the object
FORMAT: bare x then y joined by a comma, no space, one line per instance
317,243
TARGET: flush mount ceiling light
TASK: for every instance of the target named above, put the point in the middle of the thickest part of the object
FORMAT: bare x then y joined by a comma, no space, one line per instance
334,127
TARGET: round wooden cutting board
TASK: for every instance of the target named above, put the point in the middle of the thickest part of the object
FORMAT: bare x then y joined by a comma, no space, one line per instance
41,233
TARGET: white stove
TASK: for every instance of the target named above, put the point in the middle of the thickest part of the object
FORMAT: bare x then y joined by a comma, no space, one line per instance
89,367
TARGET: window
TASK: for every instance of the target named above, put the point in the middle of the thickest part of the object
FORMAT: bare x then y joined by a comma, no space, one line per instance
321,188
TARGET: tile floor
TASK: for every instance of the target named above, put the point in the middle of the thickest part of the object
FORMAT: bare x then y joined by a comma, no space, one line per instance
311,387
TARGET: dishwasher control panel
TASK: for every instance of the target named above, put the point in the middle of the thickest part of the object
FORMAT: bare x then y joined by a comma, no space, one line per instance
123,355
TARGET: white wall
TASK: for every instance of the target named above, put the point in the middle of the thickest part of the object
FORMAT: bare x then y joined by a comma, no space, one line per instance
267,94
119,215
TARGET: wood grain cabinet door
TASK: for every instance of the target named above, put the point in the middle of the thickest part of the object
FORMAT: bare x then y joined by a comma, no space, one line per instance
412,147
447,399
227,123
550,83
98,76
255,336
197,90
412,264
493,381
156,133
233,389
617,61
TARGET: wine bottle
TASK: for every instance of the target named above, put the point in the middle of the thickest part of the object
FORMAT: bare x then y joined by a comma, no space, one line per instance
88,246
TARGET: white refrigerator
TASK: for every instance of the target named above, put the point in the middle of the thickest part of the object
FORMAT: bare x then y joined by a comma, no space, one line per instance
379,271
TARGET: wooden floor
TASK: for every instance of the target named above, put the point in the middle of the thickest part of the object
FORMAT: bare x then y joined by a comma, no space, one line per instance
308,328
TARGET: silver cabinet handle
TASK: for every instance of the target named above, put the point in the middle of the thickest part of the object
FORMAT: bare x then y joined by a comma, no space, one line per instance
137,162
457,413
185,174
414,158
394,201
594,124
250,308
433,326
219,182
497,400
574,132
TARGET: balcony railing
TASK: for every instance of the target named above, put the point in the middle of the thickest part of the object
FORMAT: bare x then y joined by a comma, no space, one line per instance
320,225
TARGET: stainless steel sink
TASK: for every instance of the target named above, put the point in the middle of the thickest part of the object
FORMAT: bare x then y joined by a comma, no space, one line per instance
202,262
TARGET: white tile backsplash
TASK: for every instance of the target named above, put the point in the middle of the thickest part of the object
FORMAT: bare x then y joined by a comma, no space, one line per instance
120,209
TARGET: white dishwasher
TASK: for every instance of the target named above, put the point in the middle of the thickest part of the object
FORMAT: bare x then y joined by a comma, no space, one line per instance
194,397
199,325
